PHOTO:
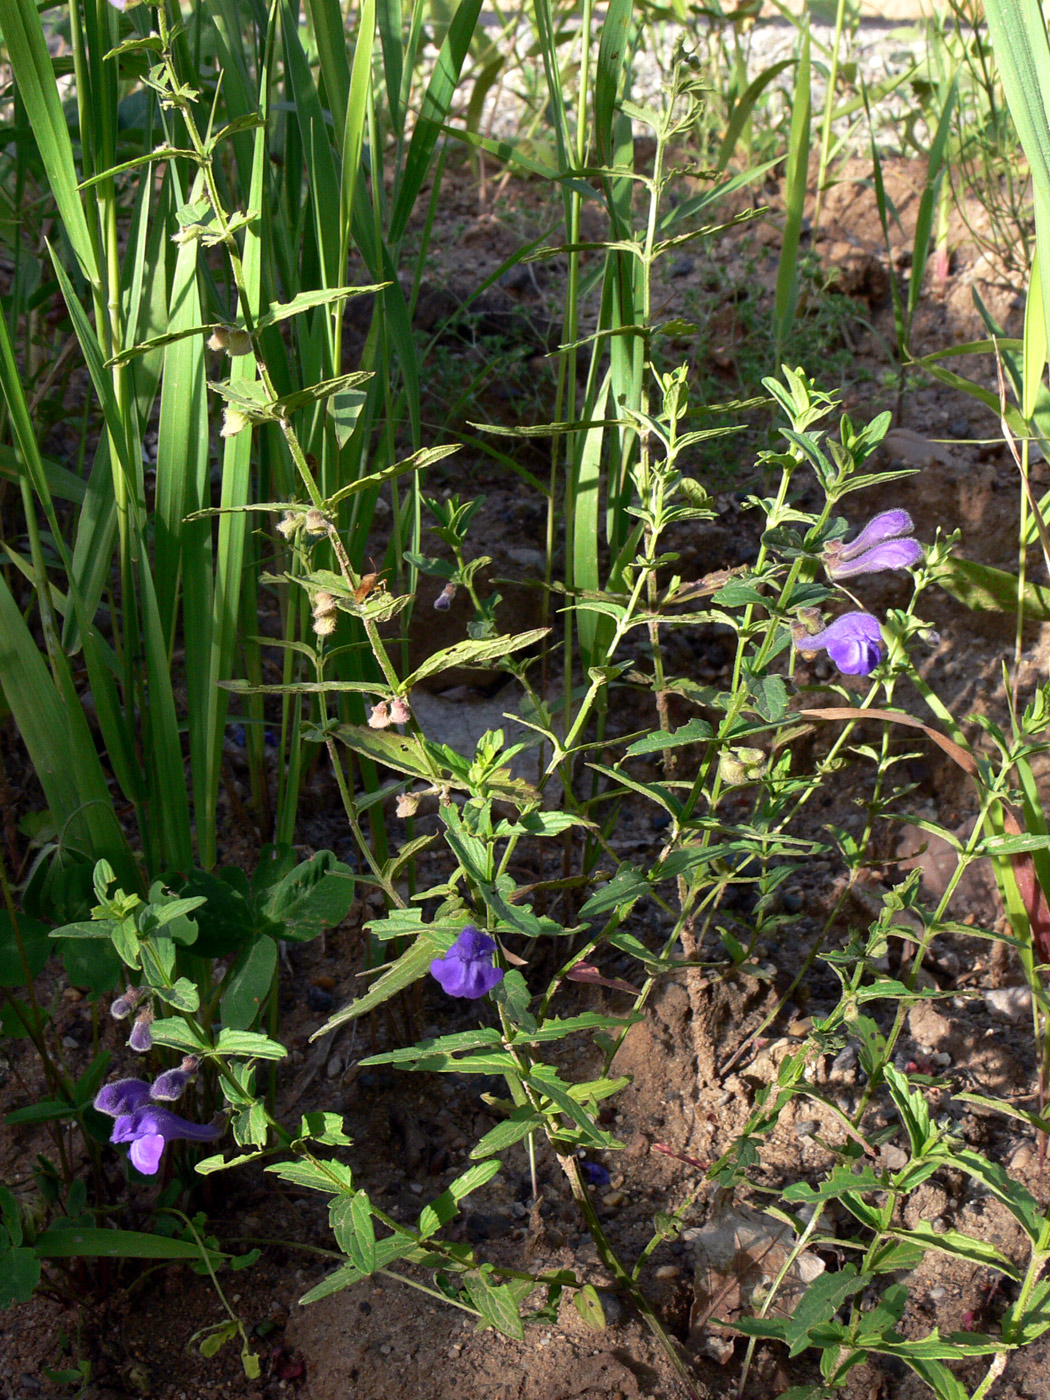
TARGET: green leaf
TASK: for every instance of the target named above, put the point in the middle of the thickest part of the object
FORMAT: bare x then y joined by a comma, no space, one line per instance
409,967
248,985
695,731
35,945
351,1221
317,894
1021,1204
20,1271
178,1034
441,1210
17,1017
770,696
984,589
314,1176
523,1121
182,995
482,1036
589,1306
80,1243
249,1043
91,965
472,653
962,1246
497,1305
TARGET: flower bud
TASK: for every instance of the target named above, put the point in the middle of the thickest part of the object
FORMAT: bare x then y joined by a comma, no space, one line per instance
170,1085
444,599
741,765
141,1038
233,422
324,624
315,522
380,716
289,524
407,804
399,711
125,1004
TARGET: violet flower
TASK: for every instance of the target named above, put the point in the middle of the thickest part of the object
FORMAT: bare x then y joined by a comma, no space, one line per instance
884,543
853,641
144,1124
141,1038
596,1174
466,969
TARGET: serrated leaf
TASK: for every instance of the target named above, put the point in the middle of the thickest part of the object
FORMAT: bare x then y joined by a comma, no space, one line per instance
249,1043
695,731
497,1305
411,965
523,1121
333,1176
473,653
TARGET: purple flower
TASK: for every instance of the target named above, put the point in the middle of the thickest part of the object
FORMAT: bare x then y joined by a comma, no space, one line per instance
141,1037
466,969
144,1124
596,1174
853,641
884,543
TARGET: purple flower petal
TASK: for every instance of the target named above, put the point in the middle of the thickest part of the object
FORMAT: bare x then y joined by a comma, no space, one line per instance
883,544
146,1152
853,641
141,1038
149,1129
170,1085
123,1096
466,970
879,528
891,554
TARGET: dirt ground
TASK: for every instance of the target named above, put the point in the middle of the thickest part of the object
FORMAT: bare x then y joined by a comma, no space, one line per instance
694,1069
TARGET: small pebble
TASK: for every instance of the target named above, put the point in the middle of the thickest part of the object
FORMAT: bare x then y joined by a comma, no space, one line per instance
1011,1002
792,901
611,1199
807,1127
1022,1158
800,1027
844,1063
611,1307
334,1065
668,1271
29,1383
941,1059
385,1348
937,1294
939,1226
893,1158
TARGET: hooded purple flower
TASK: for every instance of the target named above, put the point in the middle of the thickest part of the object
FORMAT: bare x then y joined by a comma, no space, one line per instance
884,543
466,969
141,1037
144,1124
853,641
